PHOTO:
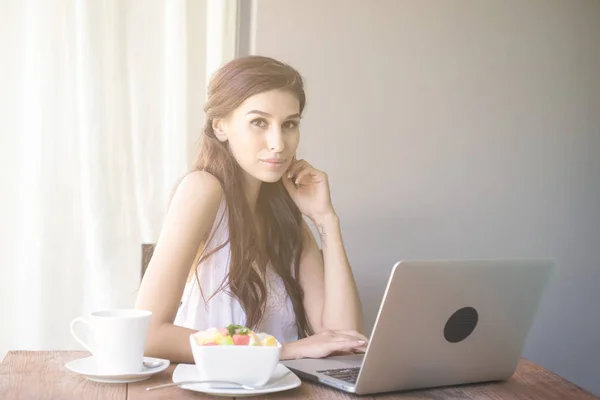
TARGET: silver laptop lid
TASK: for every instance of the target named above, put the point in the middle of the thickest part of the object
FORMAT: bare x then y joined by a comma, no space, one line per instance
452,322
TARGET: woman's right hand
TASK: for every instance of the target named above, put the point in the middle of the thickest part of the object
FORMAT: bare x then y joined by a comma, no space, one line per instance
323,344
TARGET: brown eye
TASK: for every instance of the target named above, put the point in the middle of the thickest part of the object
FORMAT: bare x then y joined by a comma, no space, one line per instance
260,122
291,124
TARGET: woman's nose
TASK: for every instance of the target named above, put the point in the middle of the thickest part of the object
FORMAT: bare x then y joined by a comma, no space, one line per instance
275,141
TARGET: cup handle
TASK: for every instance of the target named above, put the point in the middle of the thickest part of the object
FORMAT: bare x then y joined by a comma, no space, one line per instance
87,346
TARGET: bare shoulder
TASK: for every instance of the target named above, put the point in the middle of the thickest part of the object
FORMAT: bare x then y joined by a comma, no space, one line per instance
198,195
194,205
199,186
192,211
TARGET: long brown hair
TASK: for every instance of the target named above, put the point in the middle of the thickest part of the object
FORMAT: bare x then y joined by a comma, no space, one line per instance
276,213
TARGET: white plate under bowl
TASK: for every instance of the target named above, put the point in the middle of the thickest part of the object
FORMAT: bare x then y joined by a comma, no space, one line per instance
87,367
189,372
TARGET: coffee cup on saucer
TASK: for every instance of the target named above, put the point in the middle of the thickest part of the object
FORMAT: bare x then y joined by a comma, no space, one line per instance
116,338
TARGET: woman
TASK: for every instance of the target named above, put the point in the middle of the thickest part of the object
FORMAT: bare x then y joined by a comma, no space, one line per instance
234,247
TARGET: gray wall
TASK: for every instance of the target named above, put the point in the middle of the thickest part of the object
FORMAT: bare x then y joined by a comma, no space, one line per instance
458,129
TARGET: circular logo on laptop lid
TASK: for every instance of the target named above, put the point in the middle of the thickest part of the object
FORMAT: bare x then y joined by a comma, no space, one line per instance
461,324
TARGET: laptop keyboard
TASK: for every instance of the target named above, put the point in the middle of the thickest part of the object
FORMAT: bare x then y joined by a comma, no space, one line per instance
345,374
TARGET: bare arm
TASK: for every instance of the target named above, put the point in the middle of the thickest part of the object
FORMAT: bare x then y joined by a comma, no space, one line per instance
331,297
342,308
186,227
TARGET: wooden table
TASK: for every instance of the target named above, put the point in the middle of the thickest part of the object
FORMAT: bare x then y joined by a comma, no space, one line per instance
42,375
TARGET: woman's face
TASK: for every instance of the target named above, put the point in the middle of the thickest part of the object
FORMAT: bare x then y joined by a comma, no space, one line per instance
263,134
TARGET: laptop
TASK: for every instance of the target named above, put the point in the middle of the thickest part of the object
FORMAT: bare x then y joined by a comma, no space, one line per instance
441,323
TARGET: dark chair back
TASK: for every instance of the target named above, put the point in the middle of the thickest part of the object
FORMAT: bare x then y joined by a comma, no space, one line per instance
147,251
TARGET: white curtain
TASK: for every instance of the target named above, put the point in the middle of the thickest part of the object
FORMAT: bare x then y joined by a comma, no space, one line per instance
100,112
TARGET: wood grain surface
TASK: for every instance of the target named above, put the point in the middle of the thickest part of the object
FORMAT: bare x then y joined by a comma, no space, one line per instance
530,382
42,375
137,390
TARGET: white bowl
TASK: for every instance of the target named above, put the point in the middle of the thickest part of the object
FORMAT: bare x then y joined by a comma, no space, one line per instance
248,365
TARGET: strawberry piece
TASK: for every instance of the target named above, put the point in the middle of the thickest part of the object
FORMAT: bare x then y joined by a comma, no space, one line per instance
241,340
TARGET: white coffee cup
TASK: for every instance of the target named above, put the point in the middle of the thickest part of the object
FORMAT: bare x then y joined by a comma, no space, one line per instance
116,339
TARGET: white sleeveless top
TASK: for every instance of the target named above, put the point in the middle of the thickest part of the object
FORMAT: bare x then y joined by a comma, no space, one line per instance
222,309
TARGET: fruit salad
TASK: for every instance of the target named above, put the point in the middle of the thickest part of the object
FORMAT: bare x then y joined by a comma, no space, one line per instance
233,335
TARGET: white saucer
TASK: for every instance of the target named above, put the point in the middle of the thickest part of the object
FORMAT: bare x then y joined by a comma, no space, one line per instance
87,367
187,372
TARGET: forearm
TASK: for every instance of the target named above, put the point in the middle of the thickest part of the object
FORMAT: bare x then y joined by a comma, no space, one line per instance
170,342
342,309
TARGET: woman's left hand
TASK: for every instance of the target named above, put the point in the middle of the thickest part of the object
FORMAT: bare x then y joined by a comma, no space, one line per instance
309,189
